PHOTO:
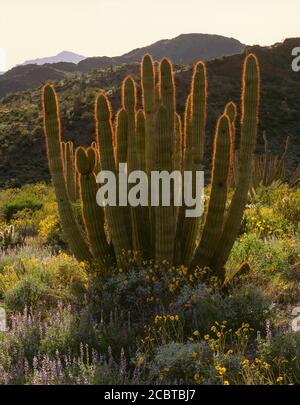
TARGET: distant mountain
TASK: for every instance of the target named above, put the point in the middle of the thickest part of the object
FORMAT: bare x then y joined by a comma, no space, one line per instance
184,49
188,48
64,56
22,146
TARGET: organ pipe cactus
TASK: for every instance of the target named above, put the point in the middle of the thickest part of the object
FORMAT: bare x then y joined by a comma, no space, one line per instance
93,215
153,139
250,106
165,225
115,217
197,116
218,194
52,129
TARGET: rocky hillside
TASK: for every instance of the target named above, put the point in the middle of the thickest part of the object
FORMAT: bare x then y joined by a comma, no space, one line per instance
22,148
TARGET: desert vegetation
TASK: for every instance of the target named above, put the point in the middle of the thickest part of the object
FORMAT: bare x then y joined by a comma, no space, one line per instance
144,295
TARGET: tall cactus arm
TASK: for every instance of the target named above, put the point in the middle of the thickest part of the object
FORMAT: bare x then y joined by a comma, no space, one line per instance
92,214
218,194
148,95
115,215
52,129
121,136
181,236
231,112
198,124
141,140
70,171
177,145
198,100
167,94
141,214
129,105
249,122
164,225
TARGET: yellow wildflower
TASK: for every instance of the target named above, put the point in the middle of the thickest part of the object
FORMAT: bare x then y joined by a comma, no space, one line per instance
197,378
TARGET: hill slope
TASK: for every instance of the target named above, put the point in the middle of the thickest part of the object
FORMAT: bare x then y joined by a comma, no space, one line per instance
183,49
22,148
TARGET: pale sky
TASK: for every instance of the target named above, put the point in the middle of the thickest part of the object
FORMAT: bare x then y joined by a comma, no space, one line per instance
31,29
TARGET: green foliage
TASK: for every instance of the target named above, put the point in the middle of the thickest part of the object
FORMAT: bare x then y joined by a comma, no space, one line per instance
29,292
40,218
40,282
14,200
274,265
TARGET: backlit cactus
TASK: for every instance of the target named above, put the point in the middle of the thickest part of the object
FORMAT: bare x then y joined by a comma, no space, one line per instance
52,129
93,215
153,139
250,106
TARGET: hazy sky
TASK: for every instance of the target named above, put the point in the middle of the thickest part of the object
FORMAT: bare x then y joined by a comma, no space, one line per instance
37,28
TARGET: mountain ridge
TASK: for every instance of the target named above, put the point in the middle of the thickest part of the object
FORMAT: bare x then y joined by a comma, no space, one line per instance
183,49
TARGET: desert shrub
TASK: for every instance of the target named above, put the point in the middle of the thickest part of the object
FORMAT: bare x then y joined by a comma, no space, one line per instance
285,346
176,363
277,361
32,209
31,282
19,204
26,292
215,360
264,222
50,230
15,200
267,256
24,223
289,206
200,307
274,263
285,202
246,304
143,290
